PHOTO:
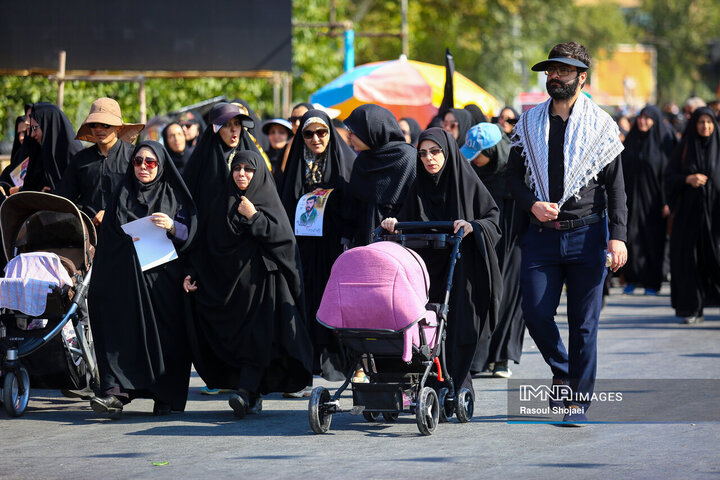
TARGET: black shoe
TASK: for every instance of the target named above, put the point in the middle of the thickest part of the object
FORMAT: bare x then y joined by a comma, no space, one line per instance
693,319
256,406
160,408
110,405
239,403
85,394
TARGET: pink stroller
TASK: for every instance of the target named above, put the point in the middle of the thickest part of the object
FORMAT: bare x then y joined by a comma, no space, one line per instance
376,301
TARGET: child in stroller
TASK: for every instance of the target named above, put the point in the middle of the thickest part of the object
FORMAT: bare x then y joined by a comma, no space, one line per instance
50,245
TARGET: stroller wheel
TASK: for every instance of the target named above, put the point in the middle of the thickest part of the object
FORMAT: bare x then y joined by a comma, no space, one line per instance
446,407
317,410
390,417
465,405
16,391
371,416
427,411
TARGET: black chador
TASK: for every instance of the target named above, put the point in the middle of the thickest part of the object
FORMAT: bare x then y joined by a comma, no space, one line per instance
248,330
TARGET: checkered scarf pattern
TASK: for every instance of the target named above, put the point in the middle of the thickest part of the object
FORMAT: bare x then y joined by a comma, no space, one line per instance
591,142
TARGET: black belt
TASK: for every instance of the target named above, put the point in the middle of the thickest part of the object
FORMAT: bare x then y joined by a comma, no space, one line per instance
569,224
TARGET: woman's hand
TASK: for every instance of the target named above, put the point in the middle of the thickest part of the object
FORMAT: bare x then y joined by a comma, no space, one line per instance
14,190
189,285
246,208
389,224
467,227
98,218
696,180
161,220
665,211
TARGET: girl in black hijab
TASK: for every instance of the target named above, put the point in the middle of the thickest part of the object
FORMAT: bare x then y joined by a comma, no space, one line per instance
177,147
692,183
644,159
52,130
249,330
447,189
411,130
476,113
384,168
20,152
138,318
306,170
457,121
209,165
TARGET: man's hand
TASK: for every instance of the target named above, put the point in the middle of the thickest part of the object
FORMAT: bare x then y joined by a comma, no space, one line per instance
545,211
619,254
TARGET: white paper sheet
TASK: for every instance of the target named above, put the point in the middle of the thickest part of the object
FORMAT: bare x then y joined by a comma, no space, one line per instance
154,247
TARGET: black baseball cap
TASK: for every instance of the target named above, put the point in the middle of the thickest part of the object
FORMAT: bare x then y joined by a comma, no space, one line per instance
542,66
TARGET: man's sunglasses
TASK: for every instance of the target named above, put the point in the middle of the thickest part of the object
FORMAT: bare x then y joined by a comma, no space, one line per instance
149,162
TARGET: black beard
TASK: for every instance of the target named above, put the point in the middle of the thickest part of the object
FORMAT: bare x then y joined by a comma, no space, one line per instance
564,91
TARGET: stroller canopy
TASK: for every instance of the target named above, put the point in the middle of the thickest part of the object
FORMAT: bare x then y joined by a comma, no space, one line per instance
36,221
382,286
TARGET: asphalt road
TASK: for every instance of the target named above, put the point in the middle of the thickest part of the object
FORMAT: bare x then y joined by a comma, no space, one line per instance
639,339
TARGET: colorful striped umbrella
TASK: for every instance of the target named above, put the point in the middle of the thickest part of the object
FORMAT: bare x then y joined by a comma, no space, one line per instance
405,87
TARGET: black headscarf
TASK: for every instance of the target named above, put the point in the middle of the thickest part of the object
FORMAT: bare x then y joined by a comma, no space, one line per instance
58,145
492,174
383,174
179,159
207,169
653,146
127,327
465,121
16,139
338,165
414,130
456,193
236,316
477,114
29,148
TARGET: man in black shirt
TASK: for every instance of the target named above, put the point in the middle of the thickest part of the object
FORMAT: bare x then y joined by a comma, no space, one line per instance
93,173
564,168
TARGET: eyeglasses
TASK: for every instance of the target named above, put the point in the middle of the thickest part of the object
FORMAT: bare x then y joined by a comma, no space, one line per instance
433,152
99,125
320,132
561,71
34,127
247,169
149,162
294,119
449,123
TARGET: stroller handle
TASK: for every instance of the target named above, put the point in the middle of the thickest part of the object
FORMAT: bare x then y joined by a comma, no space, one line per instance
409,226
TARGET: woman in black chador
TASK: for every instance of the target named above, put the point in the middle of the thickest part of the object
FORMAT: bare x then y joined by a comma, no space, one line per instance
249,331
488,148
447,189
647,148
138,318
52,130
383,169
319,158
692,182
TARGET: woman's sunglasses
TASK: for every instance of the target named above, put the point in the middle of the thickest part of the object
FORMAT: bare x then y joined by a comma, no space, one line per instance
320,132
149,162
247,169
99,125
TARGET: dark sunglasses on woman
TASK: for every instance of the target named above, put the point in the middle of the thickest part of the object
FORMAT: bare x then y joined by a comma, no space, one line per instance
149,162
320,132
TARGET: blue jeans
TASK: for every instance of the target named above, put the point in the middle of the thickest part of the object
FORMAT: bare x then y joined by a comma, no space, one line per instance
576,258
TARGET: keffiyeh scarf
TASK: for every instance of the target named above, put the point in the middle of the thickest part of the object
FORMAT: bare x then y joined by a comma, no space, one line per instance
591,142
